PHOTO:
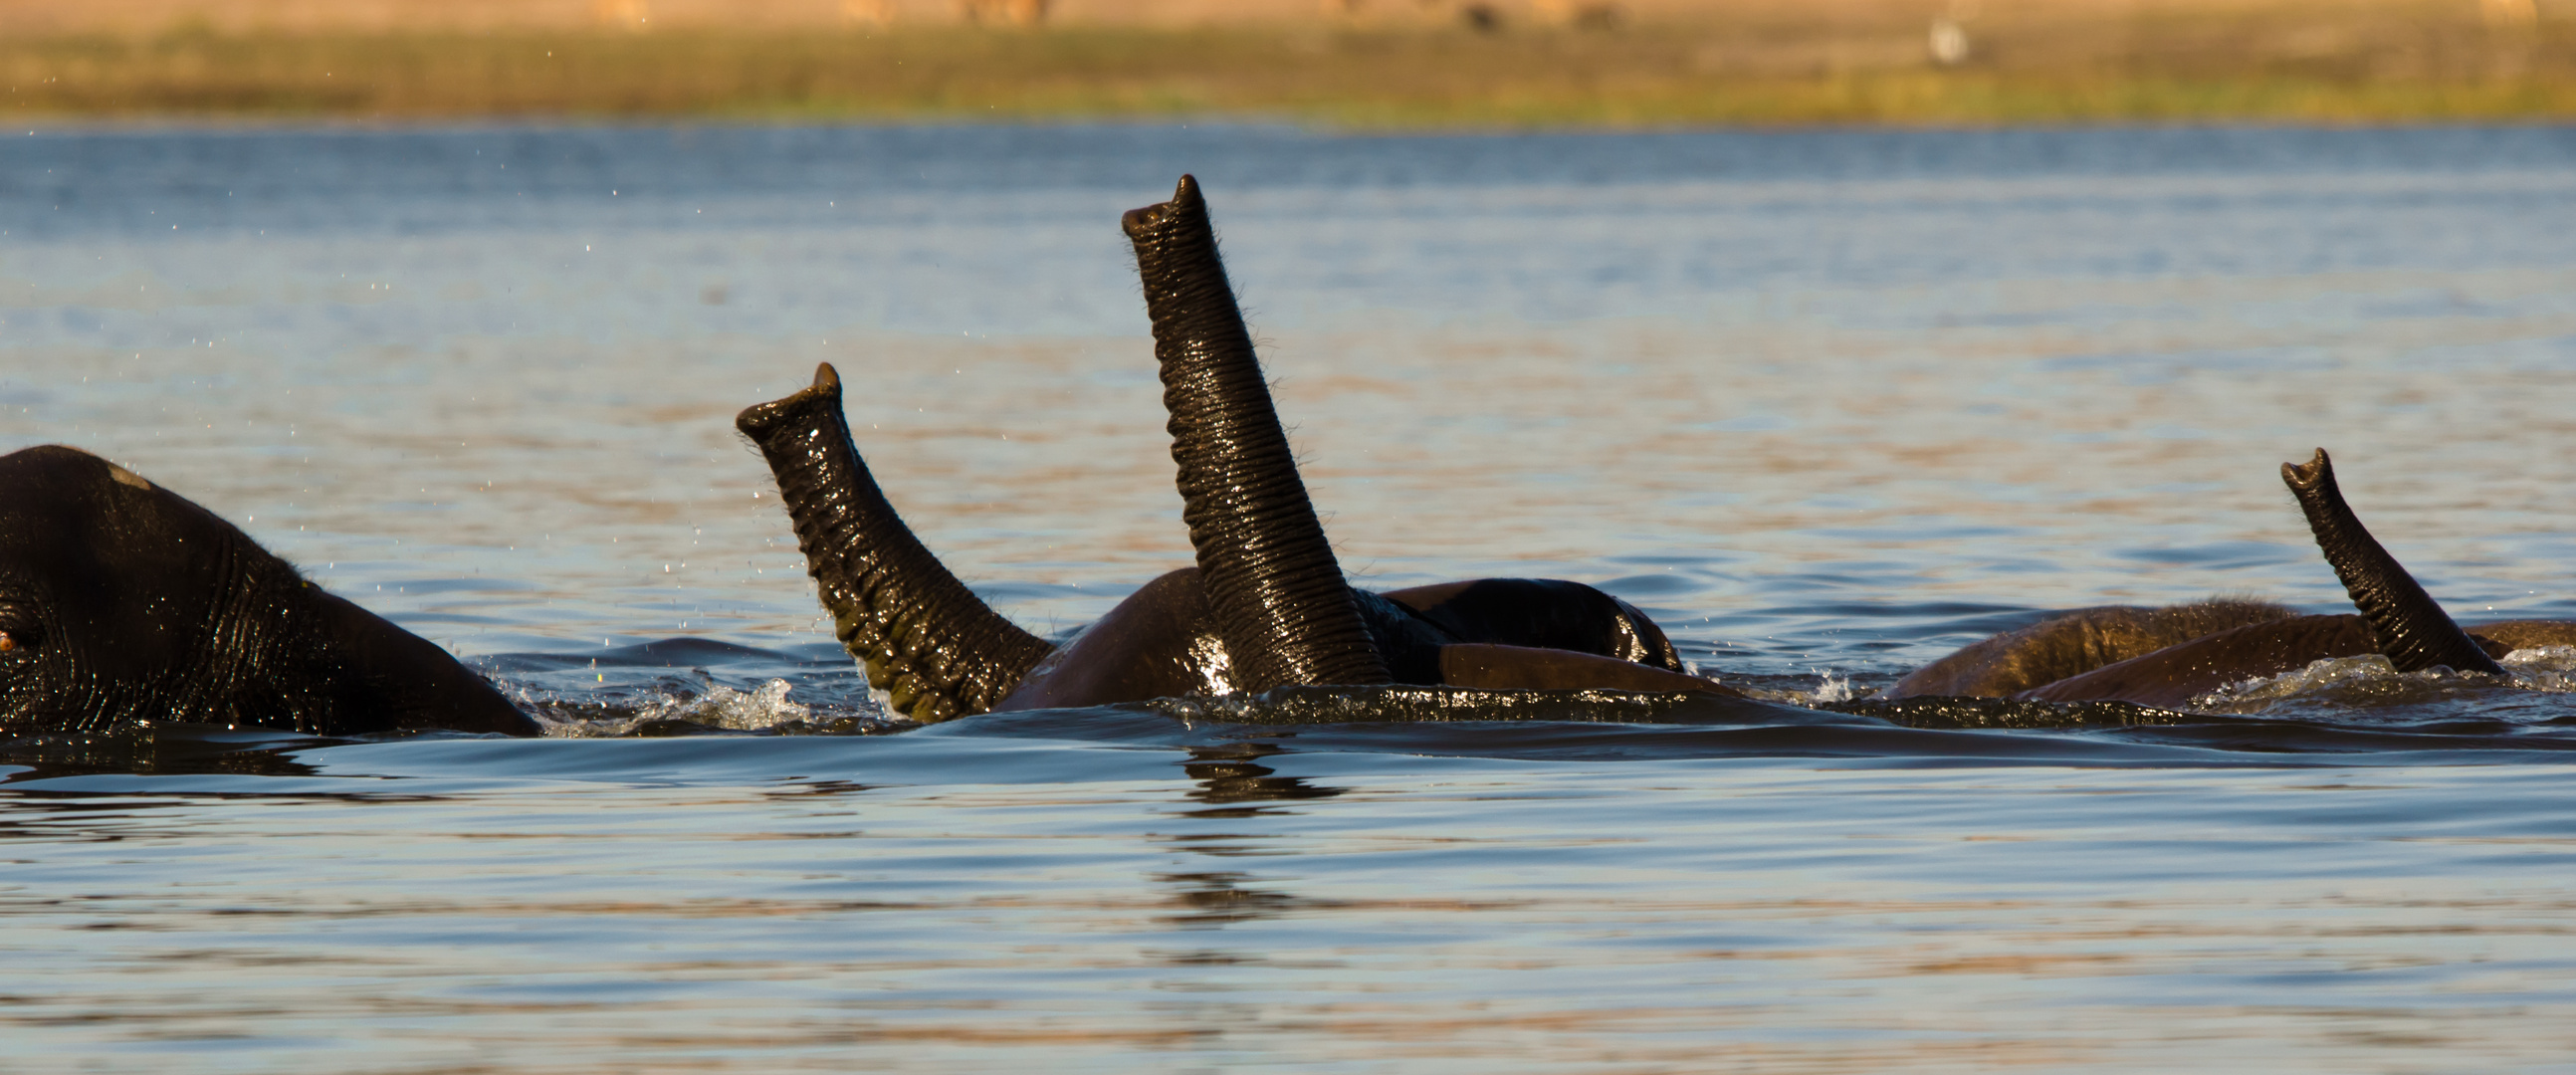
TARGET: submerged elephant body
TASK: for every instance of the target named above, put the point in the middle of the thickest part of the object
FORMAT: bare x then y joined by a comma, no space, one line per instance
2170,675
2074,642
2176,674
1162,642
939,652
2170,657
1265,607
122,602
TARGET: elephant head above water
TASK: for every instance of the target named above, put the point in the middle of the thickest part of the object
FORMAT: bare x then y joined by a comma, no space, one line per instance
1266,606
124,603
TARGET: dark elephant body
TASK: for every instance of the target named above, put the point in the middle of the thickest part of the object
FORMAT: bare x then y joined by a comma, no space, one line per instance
1162,642
2525,634
1266,606
2171,677
2075,642
1272,582
122,603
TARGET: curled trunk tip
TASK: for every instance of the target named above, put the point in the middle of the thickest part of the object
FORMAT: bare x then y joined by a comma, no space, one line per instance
1138,223
2304,478
759,420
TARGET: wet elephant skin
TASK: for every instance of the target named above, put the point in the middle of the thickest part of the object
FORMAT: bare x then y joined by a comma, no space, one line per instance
1266,606
2075,642
2171,677
2411,628
1270,576
1537,634
122,603
926,640
2093,654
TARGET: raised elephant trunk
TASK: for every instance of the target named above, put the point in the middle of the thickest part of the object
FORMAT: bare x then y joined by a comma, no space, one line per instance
2411,629
928,641
1273,586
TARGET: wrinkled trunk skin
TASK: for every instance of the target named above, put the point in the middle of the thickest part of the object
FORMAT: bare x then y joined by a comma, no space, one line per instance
2413,632
1273,586
928,641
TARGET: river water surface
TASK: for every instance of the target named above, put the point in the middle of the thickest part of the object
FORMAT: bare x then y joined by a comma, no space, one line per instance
1828,405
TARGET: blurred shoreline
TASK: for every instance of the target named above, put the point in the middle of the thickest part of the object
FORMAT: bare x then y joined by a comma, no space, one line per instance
1348,63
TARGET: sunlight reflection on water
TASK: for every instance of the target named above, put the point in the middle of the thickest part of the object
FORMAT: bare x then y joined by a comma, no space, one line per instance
1817,401
1368,914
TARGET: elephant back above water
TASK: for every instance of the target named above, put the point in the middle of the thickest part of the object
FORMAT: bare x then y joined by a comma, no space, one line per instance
123,603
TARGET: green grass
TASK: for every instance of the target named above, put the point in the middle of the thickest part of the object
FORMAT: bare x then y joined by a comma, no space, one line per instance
2388,70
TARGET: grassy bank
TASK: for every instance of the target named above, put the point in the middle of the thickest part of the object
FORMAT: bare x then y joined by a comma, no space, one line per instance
2260,64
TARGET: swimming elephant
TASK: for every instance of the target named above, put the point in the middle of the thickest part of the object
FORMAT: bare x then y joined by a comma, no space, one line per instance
1265,607
123,603
2170,656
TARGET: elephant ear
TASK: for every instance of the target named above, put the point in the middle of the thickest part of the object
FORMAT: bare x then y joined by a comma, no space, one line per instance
2412,631
928,641
1273,586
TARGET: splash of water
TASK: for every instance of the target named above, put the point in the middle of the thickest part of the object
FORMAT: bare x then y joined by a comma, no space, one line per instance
1431,705
759,709
1832,686
2370,681
2543,668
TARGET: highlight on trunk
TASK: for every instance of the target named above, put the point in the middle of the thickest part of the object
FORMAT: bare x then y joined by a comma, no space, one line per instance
927,640
2412,630
1273,586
